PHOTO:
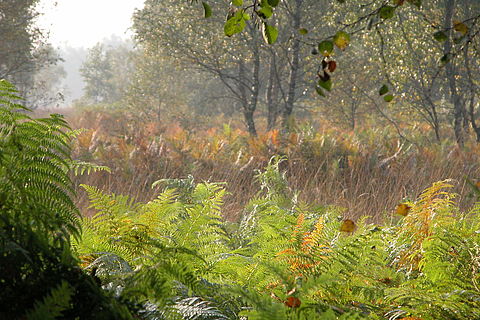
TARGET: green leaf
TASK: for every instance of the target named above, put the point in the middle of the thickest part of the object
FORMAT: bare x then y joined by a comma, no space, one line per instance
319,91
273,3
265,12
270,33
235,24
303,31
327,85
325,47
207,9
388,98
445,58
237,3
440,36
341,39
386,12
384,89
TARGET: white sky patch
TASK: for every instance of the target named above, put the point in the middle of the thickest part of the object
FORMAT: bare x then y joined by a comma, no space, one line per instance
83,23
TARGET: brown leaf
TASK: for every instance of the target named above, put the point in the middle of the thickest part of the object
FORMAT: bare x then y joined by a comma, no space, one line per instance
332,65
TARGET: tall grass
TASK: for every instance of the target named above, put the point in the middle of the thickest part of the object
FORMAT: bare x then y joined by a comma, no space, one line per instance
365,171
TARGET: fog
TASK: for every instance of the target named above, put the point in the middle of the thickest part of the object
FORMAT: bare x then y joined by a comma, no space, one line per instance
73,27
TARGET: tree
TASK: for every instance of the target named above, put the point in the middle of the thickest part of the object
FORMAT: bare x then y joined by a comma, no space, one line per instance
23,46
106,71
155,86
456,27
291,54
253,73
199,44
73,59
47,89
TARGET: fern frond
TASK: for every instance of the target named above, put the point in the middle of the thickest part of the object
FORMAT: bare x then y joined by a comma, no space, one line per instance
80,167
432,208
34,166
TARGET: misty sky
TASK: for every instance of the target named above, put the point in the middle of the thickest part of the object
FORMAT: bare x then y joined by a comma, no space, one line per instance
82,23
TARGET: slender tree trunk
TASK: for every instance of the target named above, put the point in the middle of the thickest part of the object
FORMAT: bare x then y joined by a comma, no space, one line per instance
272,108
436,122
471,110
459,107
436,129
247,113
252,104
292,83
249,104
475,127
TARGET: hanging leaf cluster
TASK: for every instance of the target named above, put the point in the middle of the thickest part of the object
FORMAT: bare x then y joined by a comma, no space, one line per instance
237,18
326,48
384,92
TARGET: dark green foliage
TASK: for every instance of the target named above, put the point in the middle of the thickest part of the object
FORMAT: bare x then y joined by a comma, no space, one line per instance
30,270
54,304
39,276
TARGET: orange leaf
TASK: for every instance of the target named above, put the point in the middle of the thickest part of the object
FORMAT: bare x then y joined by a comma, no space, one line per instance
274,137
293,302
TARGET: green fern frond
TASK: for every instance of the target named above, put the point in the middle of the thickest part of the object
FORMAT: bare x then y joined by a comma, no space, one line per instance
34,165
80,167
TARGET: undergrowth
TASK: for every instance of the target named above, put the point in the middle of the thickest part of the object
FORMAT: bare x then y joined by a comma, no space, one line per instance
366,171
176,257
285,259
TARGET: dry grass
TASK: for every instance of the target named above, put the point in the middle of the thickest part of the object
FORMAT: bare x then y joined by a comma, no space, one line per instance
367,173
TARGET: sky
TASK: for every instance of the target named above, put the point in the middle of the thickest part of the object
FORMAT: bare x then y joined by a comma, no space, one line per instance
83,23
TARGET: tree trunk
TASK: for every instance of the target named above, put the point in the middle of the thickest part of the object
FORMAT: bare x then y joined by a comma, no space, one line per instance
248,115
249,104
475,127
272,108
471,114
292,83
459,107
252,104
435,120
